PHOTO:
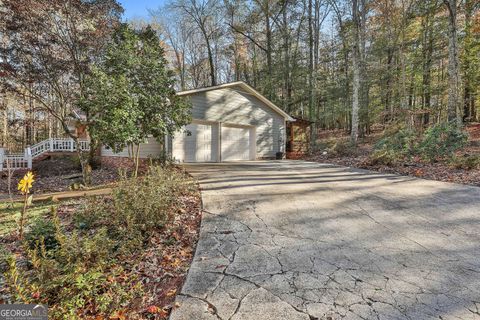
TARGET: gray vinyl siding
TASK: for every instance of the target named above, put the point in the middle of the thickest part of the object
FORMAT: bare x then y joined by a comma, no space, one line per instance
151,149
233,106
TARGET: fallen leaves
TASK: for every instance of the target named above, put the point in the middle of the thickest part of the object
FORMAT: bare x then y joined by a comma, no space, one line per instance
119,315
171,292
165,263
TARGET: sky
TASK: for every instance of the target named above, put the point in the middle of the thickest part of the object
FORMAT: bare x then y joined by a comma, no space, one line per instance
138,8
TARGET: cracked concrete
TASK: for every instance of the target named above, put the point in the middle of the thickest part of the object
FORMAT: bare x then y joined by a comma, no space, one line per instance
299,240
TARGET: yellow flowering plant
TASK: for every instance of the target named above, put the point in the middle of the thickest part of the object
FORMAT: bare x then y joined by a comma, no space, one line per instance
24,186
26,183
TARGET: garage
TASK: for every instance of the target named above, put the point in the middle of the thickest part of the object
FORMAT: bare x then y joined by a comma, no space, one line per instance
230,122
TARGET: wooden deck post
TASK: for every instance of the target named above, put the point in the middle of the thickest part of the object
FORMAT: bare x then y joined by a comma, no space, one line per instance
28,157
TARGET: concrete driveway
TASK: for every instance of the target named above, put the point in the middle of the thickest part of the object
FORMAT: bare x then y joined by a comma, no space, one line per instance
297,240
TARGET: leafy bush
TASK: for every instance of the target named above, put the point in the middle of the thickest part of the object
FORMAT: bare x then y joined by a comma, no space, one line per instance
441,141
146,204
383,157
137,206
467,162
337,146
438,141
396,144
400,142
42,228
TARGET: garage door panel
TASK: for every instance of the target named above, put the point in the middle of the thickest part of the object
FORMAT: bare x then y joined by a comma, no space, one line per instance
194,143
236,143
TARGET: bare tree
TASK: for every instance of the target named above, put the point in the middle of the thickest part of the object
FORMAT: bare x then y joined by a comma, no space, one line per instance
204,14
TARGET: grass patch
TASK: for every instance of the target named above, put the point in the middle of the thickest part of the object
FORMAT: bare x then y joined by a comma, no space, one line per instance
10,214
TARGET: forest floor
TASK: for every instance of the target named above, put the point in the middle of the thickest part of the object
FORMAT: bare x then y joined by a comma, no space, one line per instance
359,158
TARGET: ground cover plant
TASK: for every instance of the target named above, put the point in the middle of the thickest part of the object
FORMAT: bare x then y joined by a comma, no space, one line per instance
122,256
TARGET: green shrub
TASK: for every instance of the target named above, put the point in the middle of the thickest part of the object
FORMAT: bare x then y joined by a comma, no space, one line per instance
401,142
396,144
383,157
137,206
441,141
147,203
338,146
466,162
92,214
81,273
42,228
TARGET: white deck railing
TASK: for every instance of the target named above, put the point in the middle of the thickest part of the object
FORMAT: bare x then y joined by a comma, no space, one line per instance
24,161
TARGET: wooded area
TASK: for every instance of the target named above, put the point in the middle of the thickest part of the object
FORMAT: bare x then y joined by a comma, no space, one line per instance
334,62
343,64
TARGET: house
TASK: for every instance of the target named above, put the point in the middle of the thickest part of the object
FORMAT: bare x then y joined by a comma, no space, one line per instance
230,122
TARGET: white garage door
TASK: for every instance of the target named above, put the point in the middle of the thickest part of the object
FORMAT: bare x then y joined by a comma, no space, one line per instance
195,145
236,143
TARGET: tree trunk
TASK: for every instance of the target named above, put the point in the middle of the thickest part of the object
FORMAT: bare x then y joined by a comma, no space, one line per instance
453,108
356,72
363,99
286,67
469,110
268,34
427,50
84,163
311,110
213,79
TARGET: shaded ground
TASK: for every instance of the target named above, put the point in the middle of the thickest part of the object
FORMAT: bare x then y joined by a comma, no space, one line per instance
164,265
299,240
441,171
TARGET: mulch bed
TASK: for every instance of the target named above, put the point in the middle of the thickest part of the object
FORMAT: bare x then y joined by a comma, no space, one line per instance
164,266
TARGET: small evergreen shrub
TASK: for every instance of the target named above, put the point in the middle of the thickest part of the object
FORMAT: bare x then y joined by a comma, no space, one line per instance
42,228
466,162
146,203
401,143
441,141
336,146
397,143
383,157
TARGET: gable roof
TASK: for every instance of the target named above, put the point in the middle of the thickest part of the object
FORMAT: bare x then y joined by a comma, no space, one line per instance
248,90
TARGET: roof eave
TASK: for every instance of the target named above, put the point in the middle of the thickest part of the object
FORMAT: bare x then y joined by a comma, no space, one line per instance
245,86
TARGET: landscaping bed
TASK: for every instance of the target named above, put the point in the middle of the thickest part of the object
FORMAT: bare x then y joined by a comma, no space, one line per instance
334,148
123,256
